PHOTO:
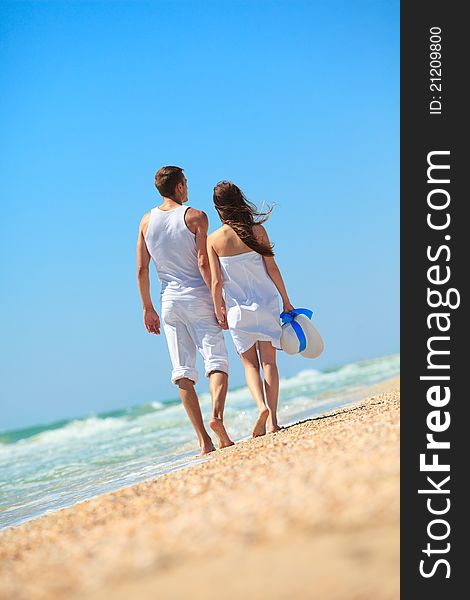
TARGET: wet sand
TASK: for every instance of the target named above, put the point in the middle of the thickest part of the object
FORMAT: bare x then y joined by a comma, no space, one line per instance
309,512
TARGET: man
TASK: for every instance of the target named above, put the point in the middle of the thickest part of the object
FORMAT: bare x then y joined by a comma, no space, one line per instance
174,237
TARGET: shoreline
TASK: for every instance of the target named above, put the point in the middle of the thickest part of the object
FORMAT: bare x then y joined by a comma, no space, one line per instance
241,507
191,460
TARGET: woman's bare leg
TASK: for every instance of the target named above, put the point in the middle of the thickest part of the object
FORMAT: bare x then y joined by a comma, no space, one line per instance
255,385
267,354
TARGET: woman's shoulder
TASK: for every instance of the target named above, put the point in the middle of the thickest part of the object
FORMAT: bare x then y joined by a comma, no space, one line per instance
213,237
260,232
222,231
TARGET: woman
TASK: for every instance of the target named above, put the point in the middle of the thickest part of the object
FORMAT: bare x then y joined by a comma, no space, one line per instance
242,264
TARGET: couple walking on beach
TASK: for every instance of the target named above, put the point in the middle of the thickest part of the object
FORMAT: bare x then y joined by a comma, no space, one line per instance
227,280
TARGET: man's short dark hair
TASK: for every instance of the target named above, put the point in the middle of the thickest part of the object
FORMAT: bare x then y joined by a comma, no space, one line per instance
166,180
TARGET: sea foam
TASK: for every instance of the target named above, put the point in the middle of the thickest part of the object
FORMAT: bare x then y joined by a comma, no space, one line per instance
49,467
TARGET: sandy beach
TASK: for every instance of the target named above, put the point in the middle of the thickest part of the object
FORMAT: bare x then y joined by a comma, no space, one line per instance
309,512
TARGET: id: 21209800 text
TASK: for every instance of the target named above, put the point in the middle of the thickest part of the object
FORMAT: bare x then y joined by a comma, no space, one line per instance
435,71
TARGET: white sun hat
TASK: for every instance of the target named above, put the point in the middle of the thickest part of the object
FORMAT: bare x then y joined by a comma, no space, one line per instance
299,335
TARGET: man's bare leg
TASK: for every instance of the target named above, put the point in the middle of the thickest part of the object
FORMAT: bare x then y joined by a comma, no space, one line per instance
191,404
218,388
267,354
255,385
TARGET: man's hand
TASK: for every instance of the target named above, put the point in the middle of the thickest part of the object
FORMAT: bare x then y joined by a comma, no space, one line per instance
152,321
221,315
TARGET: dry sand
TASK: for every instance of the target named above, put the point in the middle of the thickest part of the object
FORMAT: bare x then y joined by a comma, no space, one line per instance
309,512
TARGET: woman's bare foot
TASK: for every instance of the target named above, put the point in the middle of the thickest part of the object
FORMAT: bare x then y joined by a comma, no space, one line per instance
273,425
218,428
260,426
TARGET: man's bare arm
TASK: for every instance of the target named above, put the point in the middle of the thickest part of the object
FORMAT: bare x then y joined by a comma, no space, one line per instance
198,223
151,318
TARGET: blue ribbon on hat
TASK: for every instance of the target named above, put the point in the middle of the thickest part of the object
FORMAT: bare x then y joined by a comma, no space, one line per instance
289,317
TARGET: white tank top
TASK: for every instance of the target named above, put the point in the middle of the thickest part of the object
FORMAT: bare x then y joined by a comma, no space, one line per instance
172,247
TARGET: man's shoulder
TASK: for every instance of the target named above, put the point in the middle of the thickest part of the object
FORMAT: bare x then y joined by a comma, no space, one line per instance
195,213
145,219
195,216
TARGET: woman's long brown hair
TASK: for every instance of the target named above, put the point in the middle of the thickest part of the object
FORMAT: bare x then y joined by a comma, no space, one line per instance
241,214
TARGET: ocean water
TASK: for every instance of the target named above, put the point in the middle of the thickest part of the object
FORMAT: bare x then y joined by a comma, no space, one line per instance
53,466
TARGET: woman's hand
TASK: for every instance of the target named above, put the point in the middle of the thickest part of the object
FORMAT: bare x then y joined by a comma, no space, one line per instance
287,307
152,320
221,314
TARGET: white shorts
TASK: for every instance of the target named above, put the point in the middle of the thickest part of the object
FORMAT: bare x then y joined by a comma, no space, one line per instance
191,325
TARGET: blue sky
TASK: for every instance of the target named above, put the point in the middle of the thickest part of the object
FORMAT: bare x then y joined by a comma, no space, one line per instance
297,102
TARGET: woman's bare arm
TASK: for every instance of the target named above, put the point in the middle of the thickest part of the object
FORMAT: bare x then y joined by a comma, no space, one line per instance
273,270
217,285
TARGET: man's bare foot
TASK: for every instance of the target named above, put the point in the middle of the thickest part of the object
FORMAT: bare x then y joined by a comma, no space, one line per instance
260,425
218,428
207,447
274,428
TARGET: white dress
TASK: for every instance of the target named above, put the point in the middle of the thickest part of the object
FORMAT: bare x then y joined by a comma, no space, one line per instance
251,299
